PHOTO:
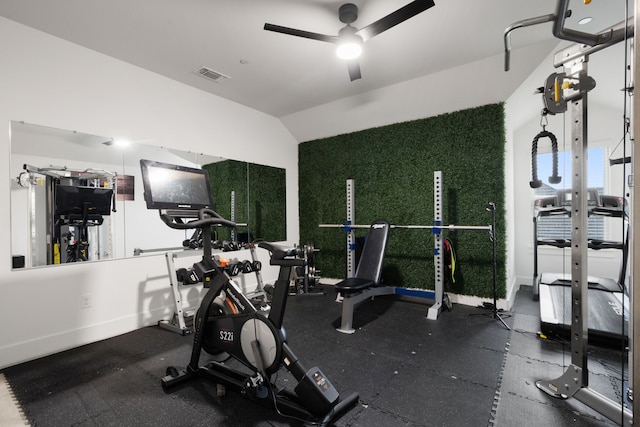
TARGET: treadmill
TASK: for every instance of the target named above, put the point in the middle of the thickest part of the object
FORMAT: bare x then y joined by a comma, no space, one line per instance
608,299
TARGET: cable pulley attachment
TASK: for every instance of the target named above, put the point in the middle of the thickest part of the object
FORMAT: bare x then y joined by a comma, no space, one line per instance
554,101
554,178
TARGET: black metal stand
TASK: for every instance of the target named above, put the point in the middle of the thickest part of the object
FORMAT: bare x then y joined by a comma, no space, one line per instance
492,235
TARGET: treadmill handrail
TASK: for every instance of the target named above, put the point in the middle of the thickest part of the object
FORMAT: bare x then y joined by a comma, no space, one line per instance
608,211
553,211
595,244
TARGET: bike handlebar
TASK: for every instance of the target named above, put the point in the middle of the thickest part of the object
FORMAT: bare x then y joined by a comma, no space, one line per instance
208,217
203,220
283,256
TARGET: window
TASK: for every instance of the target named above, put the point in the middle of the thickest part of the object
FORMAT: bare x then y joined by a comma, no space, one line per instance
559,227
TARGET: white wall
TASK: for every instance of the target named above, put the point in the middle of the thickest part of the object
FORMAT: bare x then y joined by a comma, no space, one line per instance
48,81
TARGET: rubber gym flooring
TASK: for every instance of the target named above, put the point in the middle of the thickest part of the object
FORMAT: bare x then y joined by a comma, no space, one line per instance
465,369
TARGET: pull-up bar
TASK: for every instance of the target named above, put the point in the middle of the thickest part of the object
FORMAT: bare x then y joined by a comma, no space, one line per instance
435,228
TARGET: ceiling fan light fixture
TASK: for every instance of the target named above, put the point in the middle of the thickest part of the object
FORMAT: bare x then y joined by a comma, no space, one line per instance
349,44
349,50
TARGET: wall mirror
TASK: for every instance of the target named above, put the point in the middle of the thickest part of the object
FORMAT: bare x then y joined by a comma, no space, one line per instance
79,197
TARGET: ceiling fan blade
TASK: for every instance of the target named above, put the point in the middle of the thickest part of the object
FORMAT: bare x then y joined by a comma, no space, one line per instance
300,33
354,69
395,18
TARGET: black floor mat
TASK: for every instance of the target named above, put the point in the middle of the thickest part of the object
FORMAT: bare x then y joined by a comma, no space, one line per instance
409,371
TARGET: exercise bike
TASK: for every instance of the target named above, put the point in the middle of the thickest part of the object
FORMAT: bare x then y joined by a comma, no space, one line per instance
228,325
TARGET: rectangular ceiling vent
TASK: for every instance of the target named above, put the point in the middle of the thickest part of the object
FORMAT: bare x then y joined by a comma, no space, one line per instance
210,74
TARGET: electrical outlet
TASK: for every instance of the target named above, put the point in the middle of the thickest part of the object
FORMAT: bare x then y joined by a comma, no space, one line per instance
85,301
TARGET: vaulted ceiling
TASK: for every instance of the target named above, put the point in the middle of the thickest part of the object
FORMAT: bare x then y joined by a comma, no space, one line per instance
281,74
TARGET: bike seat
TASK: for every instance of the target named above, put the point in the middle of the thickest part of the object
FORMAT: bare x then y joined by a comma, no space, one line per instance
354,285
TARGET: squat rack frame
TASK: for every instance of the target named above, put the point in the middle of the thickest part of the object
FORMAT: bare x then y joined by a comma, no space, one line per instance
438,257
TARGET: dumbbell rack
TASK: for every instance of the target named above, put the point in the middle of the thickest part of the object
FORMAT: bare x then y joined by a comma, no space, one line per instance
178,322
259,292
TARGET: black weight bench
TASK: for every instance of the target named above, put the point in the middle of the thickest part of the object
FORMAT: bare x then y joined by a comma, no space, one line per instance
366,282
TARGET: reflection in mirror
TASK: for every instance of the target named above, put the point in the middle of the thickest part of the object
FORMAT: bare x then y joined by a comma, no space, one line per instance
249,194
62,201
267,213
109,219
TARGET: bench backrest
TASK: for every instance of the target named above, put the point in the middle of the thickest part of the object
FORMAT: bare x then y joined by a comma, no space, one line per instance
372,256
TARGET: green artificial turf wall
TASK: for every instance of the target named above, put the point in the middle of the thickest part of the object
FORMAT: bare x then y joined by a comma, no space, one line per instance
393,167
260,198
267,202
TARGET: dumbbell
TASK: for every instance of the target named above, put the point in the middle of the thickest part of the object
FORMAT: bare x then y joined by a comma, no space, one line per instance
247,266
233,269
228,246
187,276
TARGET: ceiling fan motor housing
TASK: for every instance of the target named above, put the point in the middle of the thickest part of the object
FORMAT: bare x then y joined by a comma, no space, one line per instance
348,13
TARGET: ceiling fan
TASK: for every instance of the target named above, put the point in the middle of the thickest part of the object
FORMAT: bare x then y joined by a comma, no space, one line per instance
350,39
